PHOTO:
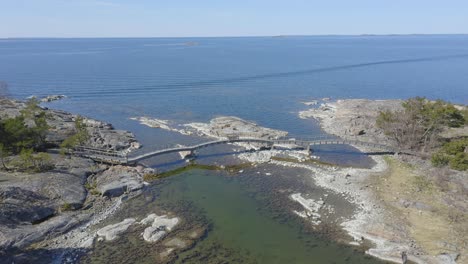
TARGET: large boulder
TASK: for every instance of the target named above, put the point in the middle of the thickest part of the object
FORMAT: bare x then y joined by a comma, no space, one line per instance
112,232
22,236
21,206
48,191
119,179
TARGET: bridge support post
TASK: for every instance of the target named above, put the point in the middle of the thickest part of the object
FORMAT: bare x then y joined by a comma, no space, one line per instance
308,148
191,156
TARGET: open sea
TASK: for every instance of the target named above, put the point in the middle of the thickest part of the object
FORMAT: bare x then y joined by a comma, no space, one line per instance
263,79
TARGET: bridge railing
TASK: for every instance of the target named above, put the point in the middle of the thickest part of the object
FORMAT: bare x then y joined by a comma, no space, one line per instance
96,151
303,141
154,148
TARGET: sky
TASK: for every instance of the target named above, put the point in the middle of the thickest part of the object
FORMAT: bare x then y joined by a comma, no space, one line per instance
205,18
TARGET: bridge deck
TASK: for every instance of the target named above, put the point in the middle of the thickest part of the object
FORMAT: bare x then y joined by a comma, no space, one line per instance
121,158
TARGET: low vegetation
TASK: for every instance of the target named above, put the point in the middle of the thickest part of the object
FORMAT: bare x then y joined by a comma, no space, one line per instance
419,125
79,138
418,201
33,162
92,188
452,154
24,135
66,207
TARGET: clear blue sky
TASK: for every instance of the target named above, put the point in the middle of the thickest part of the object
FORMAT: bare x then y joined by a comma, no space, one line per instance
179,18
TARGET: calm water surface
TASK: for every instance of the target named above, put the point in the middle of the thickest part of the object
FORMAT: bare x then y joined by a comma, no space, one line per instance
245,225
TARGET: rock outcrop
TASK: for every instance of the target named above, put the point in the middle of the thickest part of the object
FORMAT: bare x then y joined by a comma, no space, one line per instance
51,98
112,232
37,207
35,203
62,125
104,136
22,206
225,126
118,180
352,117
160,226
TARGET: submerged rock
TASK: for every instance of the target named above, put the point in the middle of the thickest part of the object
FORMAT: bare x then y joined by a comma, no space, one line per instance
160,226
153,122
176,242
311,208
51,98
112,232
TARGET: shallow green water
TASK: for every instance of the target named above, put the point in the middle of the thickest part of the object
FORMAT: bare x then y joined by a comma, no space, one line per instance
242,232
248,218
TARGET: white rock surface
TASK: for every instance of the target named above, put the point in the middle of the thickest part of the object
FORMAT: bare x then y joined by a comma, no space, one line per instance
311,208
148,220
160,226
352,117
112,232
51,98
224,126
119,179
159,123
152,122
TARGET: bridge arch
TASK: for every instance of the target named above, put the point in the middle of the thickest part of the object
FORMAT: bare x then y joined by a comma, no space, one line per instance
115,157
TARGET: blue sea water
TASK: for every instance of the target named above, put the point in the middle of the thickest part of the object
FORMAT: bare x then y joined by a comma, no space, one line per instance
257,78
263,79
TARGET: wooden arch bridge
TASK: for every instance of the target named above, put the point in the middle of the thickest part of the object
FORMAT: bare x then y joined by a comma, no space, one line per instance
116,157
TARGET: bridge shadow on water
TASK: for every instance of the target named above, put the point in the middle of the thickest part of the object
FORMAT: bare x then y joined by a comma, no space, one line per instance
212,158
354,153
167,165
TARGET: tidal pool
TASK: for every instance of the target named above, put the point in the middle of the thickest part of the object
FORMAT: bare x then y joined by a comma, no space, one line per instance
247,217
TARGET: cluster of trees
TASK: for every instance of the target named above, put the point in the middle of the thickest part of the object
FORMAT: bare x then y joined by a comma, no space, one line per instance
418,126
79,138
25,134
453,154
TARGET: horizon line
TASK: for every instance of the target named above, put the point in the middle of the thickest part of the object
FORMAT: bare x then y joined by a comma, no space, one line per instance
248,36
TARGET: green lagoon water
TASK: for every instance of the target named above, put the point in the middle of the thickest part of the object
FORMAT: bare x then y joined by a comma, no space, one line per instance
242,228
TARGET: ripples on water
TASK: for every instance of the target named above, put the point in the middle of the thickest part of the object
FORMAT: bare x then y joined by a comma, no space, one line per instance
260,79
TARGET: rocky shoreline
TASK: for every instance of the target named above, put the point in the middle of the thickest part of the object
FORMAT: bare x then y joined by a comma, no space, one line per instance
51,211
353,118
63,215
396,218
373,225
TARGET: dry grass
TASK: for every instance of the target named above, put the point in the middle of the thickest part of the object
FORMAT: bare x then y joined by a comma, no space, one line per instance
416,201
